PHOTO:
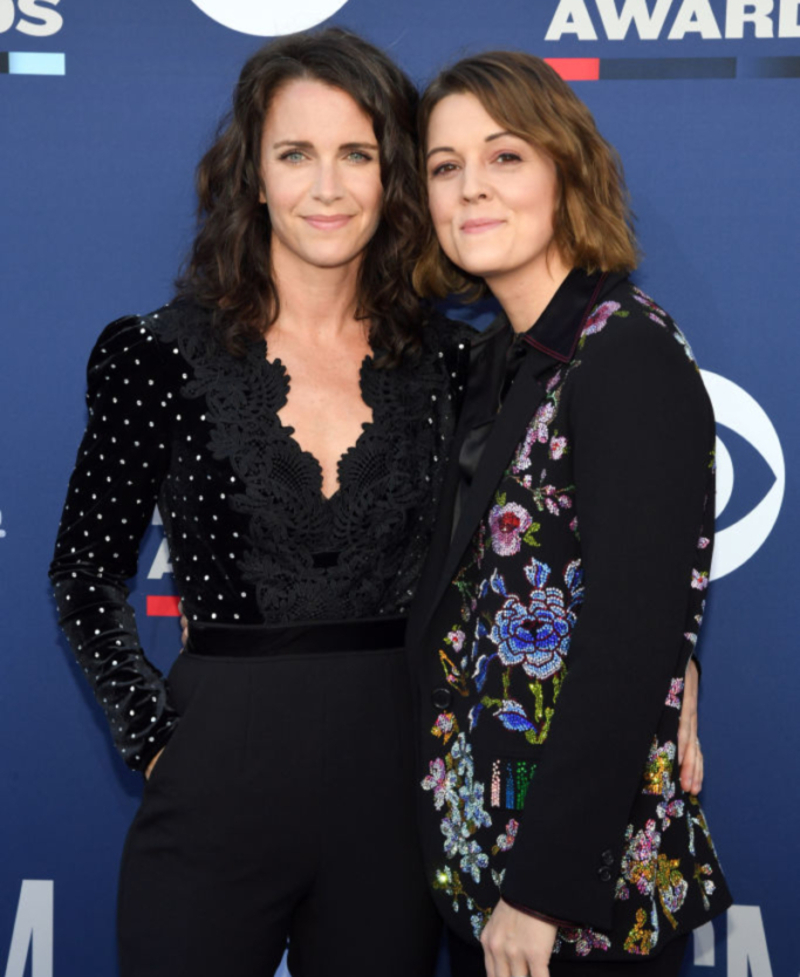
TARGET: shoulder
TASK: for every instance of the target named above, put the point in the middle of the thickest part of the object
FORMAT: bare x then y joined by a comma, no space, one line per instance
448,336
631,353
446,346
148,338
629,332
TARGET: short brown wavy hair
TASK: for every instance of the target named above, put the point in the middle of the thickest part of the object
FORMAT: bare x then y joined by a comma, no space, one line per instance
229,268
593,223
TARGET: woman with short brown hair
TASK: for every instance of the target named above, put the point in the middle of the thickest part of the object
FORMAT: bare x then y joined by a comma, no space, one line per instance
554,627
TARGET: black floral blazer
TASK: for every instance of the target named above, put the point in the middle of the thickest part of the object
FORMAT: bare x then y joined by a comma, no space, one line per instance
552,634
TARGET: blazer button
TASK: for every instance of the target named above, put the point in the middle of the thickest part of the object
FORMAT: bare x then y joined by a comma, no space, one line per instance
607,858
441,698
605,874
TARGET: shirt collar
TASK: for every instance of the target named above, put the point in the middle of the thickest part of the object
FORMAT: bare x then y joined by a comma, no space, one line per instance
557,330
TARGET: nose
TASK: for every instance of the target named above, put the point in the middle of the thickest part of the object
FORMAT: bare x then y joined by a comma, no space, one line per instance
327,183
473,186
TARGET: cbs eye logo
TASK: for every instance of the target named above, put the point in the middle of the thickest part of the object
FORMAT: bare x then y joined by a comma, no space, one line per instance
736,410
269,18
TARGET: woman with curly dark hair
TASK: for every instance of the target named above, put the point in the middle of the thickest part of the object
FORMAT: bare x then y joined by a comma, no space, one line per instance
287,412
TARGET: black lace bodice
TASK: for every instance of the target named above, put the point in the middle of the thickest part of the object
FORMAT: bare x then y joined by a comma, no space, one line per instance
175,419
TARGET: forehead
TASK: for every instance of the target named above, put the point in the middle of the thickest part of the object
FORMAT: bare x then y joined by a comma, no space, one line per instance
307,109
461,115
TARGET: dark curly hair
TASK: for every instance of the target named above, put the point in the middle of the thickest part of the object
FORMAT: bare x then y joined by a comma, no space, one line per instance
229,267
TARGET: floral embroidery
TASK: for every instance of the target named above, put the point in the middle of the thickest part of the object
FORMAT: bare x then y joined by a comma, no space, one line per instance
537,636
553,499
538,431
583,939
641,940
707,887
452,781
598,319
675,690
658,770
558,447
505,841
445,726
456,640
699,579
507,524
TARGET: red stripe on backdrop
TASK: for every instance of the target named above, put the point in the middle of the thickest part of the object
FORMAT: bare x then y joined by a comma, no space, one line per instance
162,606
576,69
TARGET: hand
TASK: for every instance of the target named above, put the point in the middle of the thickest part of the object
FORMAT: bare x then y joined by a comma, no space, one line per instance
690,757
517,945
152,763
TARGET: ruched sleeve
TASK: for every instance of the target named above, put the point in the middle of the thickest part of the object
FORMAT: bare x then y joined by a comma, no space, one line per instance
121,464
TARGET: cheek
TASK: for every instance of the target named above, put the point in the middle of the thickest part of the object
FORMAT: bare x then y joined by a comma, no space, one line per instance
438,205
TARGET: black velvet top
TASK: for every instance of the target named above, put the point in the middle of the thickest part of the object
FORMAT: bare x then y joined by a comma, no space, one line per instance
176,420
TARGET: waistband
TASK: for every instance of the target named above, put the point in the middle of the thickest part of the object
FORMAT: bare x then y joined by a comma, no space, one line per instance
260,641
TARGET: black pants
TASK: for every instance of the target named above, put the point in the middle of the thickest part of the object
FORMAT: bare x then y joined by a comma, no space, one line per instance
466,960
281,809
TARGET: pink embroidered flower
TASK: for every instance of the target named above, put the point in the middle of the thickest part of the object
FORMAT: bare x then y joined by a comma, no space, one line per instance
442,782
702,543
548,497
674,697
456,640
554,381
699,580
557,447
506,841
598,319
444,725
541,421
507,524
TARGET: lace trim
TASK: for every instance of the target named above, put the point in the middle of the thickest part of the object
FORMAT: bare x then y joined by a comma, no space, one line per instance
360,552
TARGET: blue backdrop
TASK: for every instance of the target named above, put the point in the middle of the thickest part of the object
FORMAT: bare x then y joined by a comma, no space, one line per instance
105,109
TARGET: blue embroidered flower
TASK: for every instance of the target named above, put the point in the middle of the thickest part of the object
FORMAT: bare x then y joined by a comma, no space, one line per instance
537,636
473,860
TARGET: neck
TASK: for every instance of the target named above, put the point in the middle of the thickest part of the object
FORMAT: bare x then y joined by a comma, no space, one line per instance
314,301
525,294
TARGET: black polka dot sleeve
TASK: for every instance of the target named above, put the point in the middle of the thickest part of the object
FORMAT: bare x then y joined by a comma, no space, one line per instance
121,464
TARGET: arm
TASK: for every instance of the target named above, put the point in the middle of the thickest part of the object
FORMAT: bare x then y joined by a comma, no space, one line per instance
642,431
121,463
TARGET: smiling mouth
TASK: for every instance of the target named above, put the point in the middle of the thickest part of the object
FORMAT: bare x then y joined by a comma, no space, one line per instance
328,223
480,225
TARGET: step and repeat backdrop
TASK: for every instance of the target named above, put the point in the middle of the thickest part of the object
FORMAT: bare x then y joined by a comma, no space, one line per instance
105,109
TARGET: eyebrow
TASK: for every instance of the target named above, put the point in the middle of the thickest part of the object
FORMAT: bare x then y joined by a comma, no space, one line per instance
449,149
305,144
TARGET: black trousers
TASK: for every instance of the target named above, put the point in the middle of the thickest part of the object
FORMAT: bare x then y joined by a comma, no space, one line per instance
282,809
466,960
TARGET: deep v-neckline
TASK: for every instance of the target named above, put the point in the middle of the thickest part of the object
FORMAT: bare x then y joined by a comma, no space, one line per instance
278,367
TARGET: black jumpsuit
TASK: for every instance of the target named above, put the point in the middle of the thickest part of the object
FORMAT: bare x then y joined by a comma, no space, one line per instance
282,807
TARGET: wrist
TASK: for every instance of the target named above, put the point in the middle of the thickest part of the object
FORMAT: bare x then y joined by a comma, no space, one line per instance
537,915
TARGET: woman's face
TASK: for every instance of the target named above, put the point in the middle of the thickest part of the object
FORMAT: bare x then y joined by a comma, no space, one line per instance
492,195
321,175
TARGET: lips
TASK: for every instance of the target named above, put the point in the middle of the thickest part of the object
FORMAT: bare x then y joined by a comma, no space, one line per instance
479,225
327,222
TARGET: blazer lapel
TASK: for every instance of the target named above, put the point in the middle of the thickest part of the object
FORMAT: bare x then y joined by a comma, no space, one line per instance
520,405
553,339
